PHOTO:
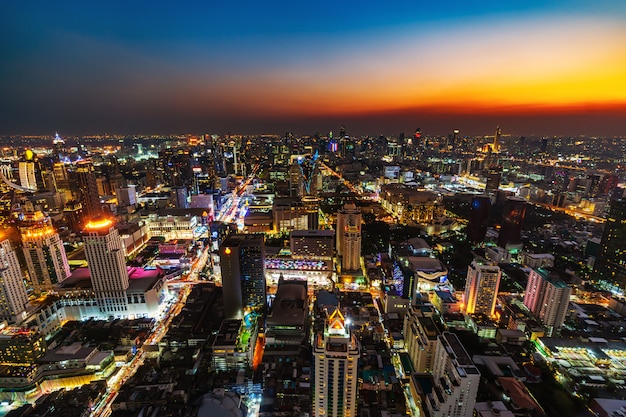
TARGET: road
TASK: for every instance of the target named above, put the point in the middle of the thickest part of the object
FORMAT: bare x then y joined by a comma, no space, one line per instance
103,408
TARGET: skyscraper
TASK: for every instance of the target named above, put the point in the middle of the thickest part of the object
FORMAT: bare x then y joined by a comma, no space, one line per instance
611,263
479,216
547,297
43,250
104,250
242,261
88,189
30,172
512,221
481,287
336,357
349,237
13,296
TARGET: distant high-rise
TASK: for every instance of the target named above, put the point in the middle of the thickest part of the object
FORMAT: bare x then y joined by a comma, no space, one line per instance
104,249
547,297
494,176
44,251
349,221
479,217
13,296
496,140
88,189
611,263
512,221
30,172
481,287
336,358
242,261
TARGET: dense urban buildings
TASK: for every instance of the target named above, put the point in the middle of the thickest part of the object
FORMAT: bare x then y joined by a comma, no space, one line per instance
323,275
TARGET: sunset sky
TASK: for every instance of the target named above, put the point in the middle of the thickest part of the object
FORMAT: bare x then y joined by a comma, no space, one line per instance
533,67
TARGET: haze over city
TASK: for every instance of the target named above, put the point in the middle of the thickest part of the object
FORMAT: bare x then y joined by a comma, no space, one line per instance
251,67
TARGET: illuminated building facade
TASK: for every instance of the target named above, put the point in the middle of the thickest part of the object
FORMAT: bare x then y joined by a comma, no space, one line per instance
547,297
44,252
73,215
312,244
30,172
336,355
242,261
451,389
20,346
481,287
512,221
611,263
420,339
88,189
104,250
13,296
349,221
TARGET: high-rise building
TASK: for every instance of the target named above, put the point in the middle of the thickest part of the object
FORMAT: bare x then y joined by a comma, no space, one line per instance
30,172
43,250
242,261
420,339
479,217
481,287
73,215
104,249
88,189
611,263
451,389
494,176
547,297
312,244
512,221
13,296
336,357
349,237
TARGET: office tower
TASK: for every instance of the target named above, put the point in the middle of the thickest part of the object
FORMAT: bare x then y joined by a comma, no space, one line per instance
535,287
312,209
312,244
494,176
295,180
336,357
349,237
479,216
420,339
179,197
60,176
611,263
88,189
73,215
104,249
547,297
242,261
454,382
13,296
512,220
496,140
43,250
481,287
30,172
126,196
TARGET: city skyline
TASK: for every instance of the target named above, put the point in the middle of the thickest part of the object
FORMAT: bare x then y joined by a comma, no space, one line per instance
269,68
